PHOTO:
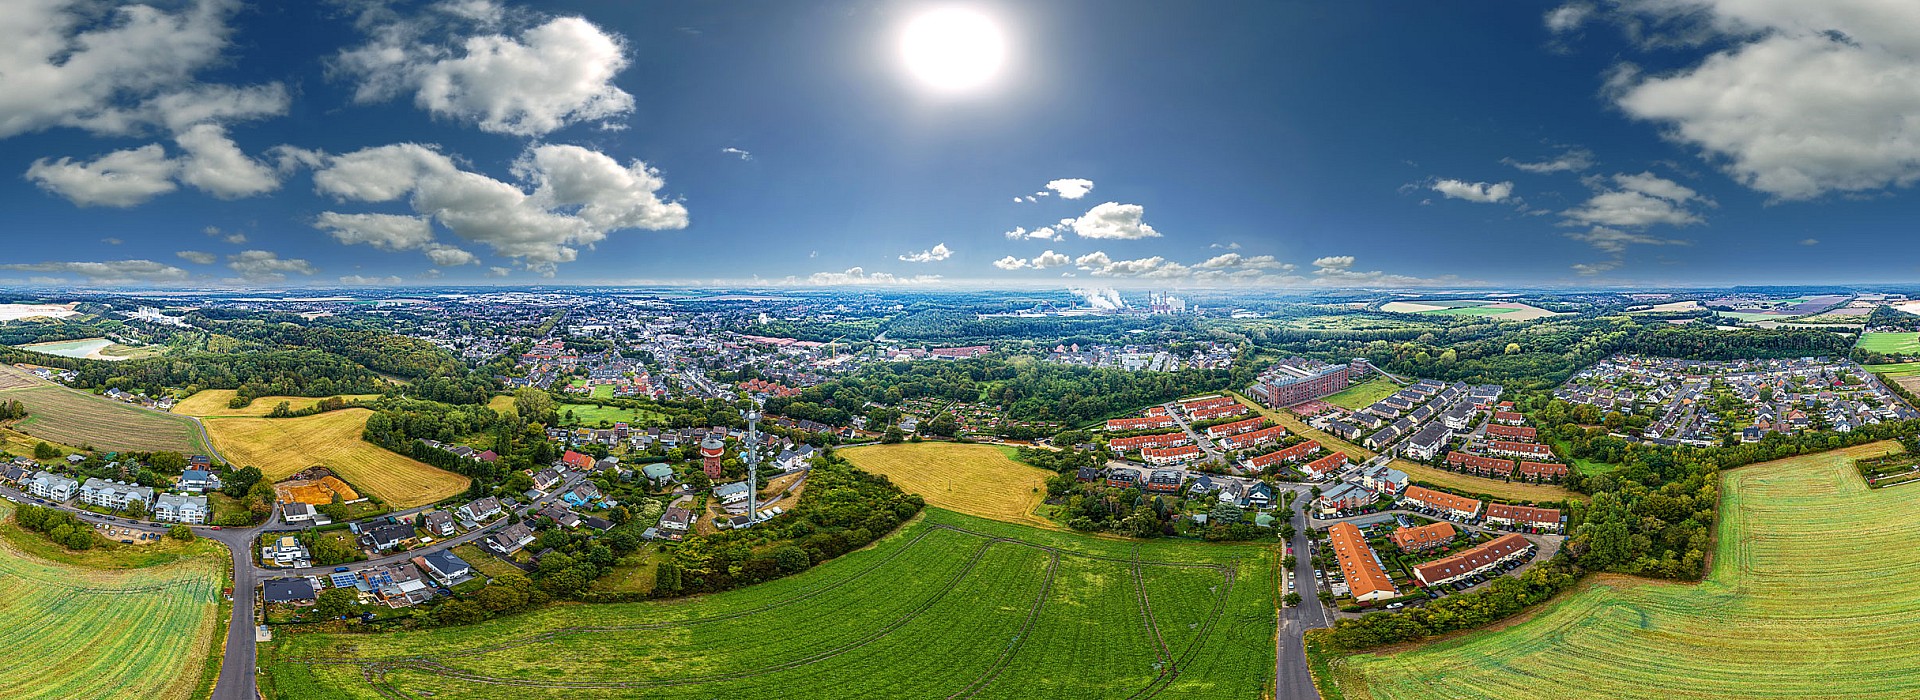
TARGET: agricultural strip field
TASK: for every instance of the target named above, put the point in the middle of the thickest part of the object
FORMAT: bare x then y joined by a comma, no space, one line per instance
1363,394
213,402
282,446
58,414
76,632
981,480
1889,343
948,606
1812,595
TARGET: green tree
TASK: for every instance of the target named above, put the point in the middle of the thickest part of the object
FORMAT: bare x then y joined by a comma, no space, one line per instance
43,451
181,532
335,602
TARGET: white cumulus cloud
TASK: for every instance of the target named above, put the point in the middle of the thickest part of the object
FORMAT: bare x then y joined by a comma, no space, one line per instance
1071,187
1112,220
938,252
1482,192
267,266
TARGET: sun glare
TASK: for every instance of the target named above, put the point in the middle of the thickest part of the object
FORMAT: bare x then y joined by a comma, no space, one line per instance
953,49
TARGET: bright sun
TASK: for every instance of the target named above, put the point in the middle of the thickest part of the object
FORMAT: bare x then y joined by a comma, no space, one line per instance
953,49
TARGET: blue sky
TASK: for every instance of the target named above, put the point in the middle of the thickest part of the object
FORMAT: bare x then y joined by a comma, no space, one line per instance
1364,143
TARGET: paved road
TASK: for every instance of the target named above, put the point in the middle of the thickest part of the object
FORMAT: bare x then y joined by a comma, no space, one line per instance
1292,679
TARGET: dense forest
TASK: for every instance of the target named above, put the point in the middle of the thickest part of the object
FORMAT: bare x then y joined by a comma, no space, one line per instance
1024,388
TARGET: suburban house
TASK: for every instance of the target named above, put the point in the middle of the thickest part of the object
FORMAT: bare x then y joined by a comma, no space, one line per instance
291,591
1235,428
1132,444
1478,464
398,585
1285,454
546,479
1170,455
1523,516
1122,477
1424,537
581,495
114,494
1523,450
560,515
1426,444
731,493
444,567
1502,549
1127,425
1543,471
1226,410
510,539
387,536
1164,481
438,522
286,551
1458,506
1517,433
1345,496
1259,496
1257,437
173,508
1366,579
1508,418
1327,466
659,474
1385,479
297,512
576,461
676,518
51,486
197,481
481,509
1344,429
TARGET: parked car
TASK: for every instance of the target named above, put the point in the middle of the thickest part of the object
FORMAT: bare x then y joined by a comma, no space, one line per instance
339,569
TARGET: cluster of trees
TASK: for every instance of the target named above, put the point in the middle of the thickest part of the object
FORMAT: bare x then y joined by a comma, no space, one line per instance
12,410
58,526
1027,391
843,509
285,409
1505,596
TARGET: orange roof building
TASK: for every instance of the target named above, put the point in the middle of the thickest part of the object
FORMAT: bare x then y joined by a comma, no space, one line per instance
1443,571
1437,500
1366,579
1424,537
1502,514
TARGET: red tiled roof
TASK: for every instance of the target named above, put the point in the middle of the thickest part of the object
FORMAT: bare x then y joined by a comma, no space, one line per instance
1327,463
1357,561
1471,559
1423,536
1440,499
1525,514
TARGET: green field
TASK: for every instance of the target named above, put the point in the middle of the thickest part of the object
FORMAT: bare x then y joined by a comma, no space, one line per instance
590,415
1889,343
58,414
949,606
1905,369
1363,394
1813,594
78,632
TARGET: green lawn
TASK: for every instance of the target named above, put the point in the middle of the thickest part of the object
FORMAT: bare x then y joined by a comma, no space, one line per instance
1812,595
1906,369
590,415
1889,343
1363,394
948,606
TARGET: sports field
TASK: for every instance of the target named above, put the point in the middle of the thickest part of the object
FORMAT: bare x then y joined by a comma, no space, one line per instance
1361,395
58,414
1812,595
213,402
981,480
949,606
76,632
1889,343
282,446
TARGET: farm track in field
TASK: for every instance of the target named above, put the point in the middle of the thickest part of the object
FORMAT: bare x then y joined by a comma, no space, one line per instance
377,672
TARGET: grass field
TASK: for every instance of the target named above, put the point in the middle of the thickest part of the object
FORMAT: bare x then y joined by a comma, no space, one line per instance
1812,595
590,415
981,480
80,632
949,606
213,402
282,446
502,404
1363,394
58,414
1906,343
1906,369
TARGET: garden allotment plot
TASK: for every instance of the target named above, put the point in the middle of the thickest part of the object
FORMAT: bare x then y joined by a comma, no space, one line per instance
949,606
1815,593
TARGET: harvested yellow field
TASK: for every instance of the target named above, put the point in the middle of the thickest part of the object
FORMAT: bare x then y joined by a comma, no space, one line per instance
283,446
981,480
213,402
